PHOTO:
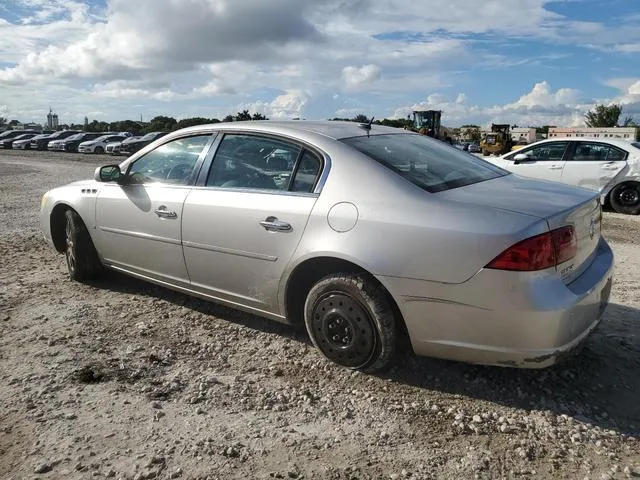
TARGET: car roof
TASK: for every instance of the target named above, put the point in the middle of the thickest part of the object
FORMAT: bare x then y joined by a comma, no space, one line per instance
611,141
336,130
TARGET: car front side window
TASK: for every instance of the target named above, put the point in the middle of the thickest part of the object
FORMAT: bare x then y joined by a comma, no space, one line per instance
173,162
550,152
253,162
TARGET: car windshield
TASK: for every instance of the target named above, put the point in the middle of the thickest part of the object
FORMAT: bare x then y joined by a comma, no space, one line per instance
102,138
636,144
150,136
430,164
77,136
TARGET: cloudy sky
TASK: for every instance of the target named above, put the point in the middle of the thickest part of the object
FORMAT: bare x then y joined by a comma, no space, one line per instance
529,62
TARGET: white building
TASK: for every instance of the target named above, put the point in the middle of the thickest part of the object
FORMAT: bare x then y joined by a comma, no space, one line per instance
52,120
627,134
528,134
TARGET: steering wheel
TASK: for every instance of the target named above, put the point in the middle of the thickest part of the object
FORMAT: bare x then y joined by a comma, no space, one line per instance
179,172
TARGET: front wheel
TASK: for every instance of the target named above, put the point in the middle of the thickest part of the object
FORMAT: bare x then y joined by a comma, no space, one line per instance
82,259
625,198
98,150
350,321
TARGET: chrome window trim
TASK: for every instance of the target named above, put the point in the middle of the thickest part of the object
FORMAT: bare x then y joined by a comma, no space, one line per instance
263,191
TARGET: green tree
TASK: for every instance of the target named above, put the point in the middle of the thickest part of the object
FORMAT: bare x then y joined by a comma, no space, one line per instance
605,116
242,116
193,121
161,124
258,116
395,122
97,126
360,118
228,118
127,126
3,122
629,121
474,134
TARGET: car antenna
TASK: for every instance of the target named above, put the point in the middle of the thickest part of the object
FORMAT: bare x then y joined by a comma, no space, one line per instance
367,126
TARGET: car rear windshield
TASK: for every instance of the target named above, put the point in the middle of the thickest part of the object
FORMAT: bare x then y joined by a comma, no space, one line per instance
430,164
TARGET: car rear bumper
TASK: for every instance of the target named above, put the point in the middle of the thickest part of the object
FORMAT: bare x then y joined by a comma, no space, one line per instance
505,318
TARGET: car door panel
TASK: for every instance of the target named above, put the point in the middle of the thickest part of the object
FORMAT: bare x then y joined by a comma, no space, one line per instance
139,227
230,253
139,222
594,165
241,227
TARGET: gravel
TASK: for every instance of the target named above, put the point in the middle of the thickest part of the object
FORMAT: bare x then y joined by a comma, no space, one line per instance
122,379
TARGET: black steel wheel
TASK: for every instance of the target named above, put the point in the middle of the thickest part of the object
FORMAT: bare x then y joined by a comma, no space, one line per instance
82,259
625,198
350,321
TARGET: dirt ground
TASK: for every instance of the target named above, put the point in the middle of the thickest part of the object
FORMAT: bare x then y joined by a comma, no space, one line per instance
123,379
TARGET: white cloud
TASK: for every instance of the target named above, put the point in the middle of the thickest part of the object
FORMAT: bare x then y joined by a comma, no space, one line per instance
209,56
540,106
358,78
288,105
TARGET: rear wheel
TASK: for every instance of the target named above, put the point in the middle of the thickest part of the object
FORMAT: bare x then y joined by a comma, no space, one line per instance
82,259
625,198
485,153
350,321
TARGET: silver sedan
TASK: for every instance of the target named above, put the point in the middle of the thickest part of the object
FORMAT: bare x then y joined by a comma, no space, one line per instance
363,233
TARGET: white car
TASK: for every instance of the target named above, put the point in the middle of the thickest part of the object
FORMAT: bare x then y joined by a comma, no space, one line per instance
54,145
611,167
113,148
98,145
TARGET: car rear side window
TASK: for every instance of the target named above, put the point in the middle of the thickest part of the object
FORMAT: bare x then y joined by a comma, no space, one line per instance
597,152
430,164
254,162
307,172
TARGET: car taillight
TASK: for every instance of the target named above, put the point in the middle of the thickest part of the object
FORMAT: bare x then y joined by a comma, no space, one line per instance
538,253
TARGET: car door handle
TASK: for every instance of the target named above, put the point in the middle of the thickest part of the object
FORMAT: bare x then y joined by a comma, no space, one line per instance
555,167
272,224
163,212
610,167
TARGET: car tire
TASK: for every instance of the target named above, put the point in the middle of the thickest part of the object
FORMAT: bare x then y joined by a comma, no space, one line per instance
98,150
485,153
83,262
625,198
351,322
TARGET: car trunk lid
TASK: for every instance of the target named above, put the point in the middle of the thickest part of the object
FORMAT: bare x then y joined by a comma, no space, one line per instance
560,205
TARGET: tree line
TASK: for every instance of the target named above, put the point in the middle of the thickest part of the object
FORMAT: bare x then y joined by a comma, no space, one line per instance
601,116
161,123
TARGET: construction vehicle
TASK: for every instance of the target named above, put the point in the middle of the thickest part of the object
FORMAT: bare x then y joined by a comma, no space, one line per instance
497,142
427,122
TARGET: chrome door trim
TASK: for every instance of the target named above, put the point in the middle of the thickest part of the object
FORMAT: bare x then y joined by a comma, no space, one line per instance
240,253
143,235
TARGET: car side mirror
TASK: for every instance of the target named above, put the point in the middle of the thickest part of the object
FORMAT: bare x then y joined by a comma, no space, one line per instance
108,173
521,157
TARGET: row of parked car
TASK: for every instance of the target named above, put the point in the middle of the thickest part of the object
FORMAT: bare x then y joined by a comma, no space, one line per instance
122,143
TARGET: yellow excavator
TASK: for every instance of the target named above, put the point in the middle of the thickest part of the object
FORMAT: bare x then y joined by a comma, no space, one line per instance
498,142
427,122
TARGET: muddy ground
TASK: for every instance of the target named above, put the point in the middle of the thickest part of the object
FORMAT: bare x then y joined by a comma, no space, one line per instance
123,379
